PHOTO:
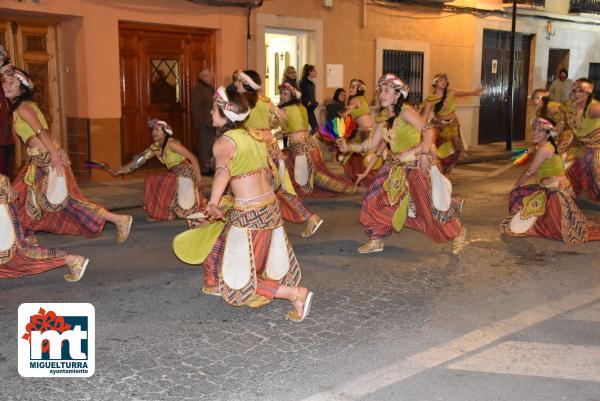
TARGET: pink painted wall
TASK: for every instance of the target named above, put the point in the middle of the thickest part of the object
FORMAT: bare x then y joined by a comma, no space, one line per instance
89,43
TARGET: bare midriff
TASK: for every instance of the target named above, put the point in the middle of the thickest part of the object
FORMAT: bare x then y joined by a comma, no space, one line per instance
252,185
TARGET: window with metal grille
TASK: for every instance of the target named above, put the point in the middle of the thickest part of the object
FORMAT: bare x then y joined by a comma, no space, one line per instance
164,81
408,66
585,6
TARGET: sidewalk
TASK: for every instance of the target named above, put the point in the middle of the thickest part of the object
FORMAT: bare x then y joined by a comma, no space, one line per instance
128,193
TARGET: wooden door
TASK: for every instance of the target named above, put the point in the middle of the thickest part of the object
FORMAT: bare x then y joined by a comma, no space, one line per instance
594,75
494,111
159,67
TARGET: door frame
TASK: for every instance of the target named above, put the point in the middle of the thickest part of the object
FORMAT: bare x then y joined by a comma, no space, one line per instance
314,49
185,71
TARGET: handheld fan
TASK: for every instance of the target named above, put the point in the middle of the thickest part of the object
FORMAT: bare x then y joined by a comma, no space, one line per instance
520,156
337,128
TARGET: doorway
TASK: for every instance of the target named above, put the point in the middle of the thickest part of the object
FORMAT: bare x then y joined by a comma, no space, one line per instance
159,67
557,60
495,64
594,75
282,49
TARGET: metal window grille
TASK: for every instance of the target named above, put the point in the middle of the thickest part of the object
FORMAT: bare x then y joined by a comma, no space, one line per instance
585,6
409,67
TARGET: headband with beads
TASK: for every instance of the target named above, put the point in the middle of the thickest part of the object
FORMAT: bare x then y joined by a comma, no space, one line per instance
162,124
395,82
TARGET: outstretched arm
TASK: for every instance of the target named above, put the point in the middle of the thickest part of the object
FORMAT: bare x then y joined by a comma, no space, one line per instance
475,92
137,161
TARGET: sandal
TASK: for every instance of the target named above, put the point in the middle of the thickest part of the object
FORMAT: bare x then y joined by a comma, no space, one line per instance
77,270
374,245
314,222
122,237
460,241
211,290
306,300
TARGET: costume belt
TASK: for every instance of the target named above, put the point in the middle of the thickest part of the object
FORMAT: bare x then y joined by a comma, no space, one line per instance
591,139
555,183
260,213
302,146
409,158
253,203
183,169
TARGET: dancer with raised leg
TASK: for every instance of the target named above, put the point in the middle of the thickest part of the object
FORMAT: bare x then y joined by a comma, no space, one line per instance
48,195
407,191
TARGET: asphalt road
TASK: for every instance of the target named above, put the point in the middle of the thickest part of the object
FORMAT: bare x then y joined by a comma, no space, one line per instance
511,319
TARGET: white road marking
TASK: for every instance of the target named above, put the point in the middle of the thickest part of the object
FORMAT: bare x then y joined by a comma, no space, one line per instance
396,372
560,361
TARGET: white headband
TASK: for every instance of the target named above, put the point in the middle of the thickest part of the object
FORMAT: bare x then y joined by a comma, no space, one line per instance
231,110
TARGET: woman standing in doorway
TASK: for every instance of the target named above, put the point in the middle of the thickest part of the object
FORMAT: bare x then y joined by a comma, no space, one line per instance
49,197
308,99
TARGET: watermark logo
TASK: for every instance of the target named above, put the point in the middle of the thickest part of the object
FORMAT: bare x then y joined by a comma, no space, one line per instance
56,340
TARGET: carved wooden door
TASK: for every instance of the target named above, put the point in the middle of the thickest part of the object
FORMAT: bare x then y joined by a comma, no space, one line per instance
159,67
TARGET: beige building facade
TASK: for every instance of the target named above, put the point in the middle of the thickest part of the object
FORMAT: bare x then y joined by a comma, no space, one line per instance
90,55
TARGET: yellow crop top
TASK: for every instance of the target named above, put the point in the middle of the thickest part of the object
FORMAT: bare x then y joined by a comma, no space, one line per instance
551,167
250,154
403,135
588,125
168,158
297,119
362,109
23,130
259,114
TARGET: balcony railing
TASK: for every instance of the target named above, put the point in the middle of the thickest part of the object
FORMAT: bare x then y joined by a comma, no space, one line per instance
585,6
537,3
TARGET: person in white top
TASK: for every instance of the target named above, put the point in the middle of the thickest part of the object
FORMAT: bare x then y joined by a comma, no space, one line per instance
560,89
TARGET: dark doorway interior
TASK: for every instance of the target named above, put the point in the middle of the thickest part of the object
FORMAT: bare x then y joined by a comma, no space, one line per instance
557,60
494,111
594,75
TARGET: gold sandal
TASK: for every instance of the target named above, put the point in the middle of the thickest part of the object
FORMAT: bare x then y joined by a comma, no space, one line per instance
374,245
460,241
314,222
211,290
80,265
123,237
306,301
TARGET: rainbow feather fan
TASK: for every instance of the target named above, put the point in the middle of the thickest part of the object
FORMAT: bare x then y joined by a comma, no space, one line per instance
97,165
520,156
337,128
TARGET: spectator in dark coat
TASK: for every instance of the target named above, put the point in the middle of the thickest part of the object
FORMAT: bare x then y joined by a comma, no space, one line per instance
308,99
202,102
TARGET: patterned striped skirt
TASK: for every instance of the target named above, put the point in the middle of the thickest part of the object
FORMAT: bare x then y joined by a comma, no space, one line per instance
172,194
39,210
310,174
448,144
556,216
584,173
252,256
376,212
17,256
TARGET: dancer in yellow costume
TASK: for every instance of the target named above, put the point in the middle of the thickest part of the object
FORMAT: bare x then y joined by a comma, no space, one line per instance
251,261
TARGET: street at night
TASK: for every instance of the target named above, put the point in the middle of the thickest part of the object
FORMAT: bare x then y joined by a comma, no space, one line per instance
509,319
